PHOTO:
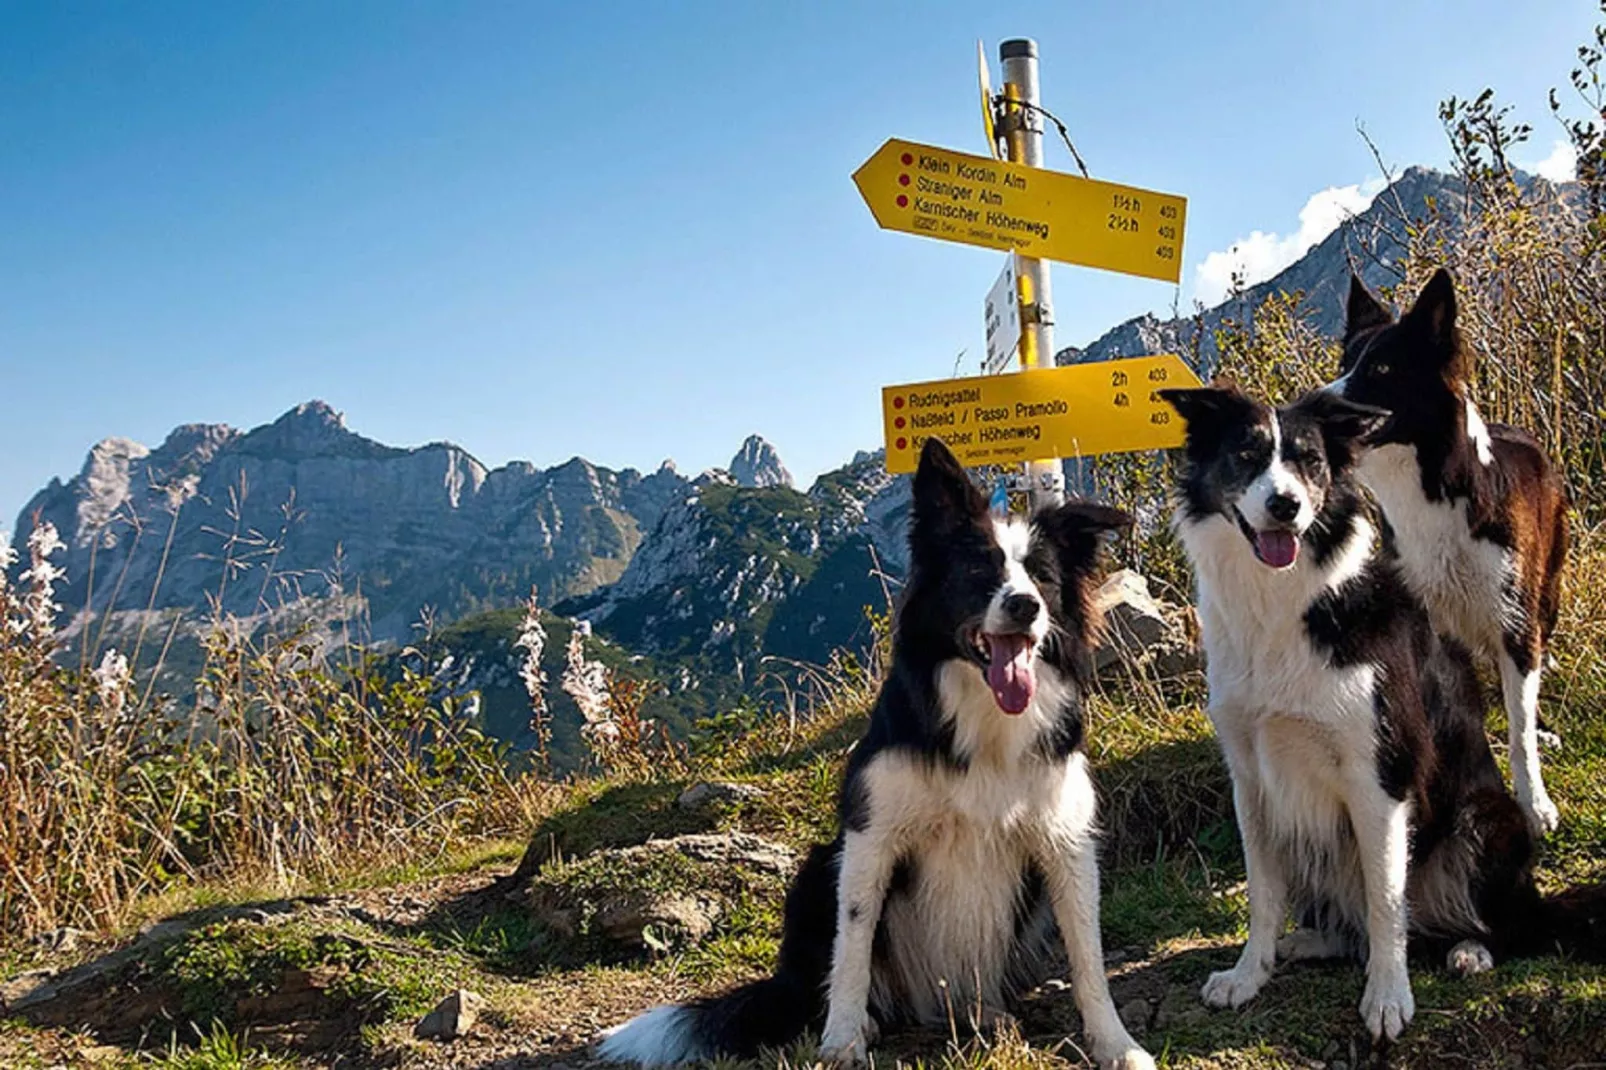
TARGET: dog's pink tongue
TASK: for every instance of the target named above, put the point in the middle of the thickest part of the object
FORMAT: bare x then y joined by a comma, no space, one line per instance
1010,672
1277,548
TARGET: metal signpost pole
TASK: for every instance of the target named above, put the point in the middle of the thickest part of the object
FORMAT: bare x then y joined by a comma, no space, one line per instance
1023,97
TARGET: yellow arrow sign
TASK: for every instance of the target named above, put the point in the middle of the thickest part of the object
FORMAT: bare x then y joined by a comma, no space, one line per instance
1046,214
1076,411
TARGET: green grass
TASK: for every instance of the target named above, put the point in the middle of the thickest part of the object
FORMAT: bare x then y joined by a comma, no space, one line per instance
218,1050
1173,910
212,970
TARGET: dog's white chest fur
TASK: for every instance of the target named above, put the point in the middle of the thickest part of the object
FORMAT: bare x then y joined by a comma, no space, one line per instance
969,836
1260,660
1455,574
1293,726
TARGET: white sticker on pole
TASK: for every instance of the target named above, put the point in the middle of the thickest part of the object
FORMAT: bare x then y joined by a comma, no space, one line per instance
1002,313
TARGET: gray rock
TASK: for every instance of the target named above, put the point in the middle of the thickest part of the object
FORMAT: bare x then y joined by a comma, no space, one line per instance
725,848
639,910
452,1017
1141,633
710,794
658,921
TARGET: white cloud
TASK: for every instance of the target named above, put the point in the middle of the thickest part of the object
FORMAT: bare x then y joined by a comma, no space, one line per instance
1262,255
1560,166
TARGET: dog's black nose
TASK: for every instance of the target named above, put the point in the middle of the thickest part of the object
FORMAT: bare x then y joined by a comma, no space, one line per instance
1021,608
1282,507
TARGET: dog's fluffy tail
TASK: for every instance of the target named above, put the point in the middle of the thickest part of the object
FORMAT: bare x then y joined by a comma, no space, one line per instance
768,1013
764,1014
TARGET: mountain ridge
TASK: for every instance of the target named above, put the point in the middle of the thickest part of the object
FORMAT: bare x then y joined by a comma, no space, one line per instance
714,575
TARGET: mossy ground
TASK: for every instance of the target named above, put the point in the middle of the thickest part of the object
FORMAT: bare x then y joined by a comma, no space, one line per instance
393,943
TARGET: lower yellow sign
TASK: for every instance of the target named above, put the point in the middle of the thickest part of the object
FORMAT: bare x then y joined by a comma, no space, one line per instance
1079,410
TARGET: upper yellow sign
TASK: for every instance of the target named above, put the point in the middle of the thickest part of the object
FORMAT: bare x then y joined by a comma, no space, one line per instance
1046,214
1076,411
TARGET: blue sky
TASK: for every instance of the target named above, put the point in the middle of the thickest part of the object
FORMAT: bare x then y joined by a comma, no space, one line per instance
625,231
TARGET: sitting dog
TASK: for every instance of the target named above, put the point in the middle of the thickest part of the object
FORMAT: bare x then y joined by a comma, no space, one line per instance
966,810
1365,790
1476,512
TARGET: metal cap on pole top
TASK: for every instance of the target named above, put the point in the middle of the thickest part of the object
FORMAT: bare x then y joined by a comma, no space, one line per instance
1023,129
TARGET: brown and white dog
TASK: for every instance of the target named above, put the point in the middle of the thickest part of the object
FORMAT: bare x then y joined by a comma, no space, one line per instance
1475,512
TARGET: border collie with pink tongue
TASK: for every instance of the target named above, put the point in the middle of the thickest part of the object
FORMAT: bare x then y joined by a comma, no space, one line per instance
1365,791
967,811
1475,511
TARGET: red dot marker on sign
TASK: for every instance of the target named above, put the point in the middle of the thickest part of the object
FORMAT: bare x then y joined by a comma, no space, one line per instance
907,158
897,402
903,202
903,443
898,423
903,180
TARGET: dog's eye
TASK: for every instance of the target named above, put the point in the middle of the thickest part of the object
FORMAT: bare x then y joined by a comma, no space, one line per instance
1247,454
1380,369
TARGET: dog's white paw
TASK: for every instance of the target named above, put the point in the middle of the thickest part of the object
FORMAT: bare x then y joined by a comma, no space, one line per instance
1548,740
847,1042
1133,1058
1469,957
1305,944
1387,1005
1234,987
1542,813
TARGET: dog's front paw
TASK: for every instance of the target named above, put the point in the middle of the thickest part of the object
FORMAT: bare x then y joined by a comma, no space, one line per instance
1133,1058
1234,987
1542,813
1387,1005
1469,957
1548,740
847,1042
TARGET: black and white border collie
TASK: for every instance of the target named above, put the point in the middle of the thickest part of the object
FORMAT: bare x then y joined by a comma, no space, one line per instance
1367,796
967,811
1477,513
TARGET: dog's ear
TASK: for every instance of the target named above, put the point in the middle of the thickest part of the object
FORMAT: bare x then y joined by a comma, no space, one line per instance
1077,528
1346,425
1206,410
1200,404
1433,316
945,500
1362,311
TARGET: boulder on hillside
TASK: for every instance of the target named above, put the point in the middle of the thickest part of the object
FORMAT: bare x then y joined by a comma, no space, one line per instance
660,895
1142,633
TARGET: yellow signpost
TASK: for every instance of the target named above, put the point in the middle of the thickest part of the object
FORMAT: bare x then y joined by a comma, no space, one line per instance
1074,411
1051,215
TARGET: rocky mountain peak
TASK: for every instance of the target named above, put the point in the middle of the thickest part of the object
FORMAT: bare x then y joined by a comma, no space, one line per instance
311,429
757,464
